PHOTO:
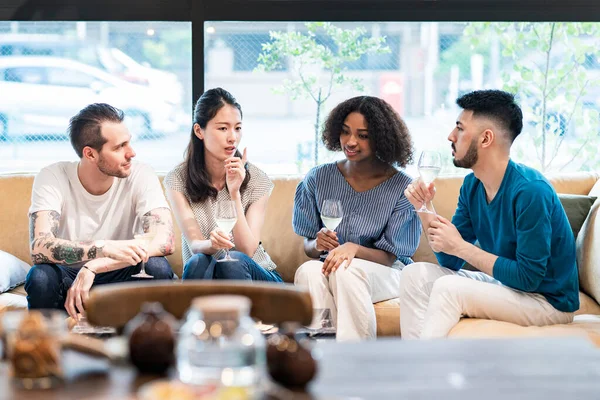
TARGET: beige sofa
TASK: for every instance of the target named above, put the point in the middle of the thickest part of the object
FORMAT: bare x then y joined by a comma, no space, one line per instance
286,250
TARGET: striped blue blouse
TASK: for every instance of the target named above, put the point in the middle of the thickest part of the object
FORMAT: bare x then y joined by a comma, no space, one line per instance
380,218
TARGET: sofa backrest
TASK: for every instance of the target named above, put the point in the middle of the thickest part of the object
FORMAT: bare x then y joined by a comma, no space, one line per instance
278,237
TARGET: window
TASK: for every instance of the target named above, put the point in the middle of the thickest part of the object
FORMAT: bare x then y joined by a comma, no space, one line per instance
51,70
69,77
420,68
29,75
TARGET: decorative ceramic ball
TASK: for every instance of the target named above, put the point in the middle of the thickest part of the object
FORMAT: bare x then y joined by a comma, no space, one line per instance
289,361
152,339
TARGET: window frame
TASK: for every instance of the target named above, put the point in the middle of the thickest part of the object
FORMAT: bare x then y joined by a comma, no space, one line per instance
200,11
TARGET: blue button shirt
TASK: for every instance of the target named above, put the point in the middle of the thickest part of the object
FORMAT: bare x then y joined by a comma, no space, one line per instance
380,218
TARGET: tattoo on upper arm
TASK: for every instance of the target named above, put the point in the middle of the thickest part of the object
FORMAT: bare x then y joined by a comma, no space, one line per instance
169,246
32,220
154,219
54,222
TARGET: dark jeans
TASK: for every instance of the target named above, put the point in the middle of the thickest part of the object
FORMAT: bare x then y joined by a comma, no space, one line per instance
202,266
47,284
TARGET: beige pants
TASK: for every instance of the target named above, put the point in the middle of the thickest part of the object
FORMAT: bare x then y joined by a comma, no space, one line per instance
433,299
350,293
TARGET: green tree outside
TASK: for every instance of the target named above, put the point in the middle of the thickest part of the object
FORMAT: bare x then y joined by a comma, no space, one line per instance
320,66
549,71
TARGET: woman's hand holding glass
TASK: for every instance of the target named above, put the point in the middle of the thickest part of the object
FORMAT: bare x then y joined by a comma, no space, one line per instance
220,240
326,240
331,215
341,255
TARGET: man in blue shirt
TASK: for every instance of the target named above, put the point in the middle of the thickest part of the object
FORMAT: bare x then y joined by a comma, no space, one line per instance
526,251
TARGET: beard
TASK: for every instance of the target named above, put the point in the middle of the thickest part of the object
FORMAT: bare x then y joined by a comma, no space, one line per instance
106,170
469,159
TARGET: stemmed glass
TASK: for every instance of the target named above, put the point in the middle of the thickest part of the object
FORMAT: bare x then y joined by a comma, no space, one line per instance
331,213
146,238
83,327
226,219
429,167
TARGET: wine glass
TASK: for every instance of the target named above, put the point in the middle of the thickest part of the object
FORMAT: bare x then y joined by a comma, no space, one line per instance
429,167
226,219
146,238
331,213
83,327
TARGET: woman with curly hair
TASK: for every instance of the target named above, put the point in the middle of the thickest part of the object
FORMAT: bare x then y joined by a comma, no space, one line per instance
360,262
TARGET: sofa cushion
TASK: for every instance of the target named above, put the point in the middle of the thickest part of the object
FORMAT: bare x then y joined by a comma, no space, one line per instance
587,305
20,290
13,218
577,208
586,326
277,235
12,271
595,189
588,253
388,314
574,182
11,301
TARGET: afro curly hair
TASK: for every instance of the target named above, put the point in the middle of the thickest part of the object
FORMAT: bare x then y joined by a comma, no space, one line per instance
388,135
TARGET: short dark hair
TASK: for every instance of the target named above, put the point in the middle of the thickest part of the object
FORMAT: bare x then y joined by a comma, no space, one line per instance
497,105
85,126
388,135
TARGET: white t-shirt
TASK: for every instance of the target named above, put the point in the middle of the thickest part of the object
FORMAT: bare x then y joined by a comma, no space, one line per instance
114,215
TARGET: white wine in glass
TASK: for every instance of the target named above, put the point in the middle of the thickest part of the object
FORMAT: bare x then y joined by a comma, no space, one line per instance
226,218
146,239
331,214
430,164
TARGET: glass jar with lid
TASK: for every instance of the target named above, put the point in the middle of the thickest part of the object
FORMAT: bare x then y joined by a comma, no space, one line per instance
219,343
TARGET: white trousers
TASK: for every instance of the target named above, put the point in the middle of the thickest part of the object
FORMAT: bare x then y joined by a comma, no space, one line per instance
350,293
433,299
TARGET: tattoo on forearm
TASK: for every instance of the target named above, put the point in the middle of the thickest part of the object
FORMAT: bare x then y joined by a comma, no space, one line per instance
92,253
40,259
39,241
47,248
68,254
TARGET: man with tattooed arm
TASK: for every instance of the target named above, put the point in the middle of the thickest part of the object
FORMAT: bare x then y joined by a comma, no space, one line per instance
84,214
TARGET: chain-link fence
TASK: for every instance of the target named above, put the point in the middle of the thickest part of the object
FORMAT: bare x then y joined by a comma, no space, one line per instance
51,70
278,71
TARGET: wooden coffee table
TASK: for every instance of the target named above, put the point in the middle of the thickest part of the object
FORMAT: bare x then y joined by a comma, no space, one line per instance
488,369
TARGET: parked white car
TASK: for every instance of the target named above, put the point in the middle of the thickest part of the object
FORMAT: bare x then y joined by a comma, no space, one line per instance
38,95
125,67
108,59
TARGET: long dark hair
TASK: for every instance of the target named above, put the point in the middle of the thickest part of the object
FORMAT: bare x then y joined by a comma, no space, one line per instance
197,179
